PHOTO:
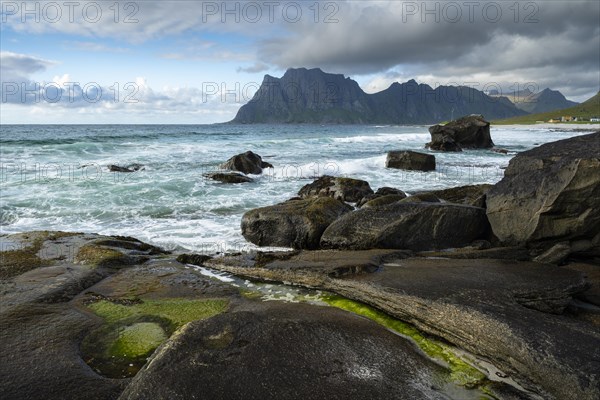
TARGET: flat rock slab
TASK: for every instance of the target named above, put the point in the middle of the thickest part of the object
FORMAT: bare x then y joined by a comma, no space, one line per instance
294,351
498,309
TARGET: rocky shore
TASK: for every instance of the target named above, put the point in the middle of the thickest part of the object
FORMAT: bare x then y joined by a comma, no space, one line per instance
465,293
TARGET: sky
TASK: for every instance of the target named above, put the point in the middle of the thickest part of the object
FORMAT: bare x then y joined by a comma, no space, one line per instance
196,62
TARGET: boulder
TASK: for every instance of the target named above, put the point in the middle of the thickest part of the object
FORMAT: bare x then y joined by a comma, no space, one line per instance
471,132
410,160
383,191
247,163
471,195
549,194
228,177
294,223
411,226
344,189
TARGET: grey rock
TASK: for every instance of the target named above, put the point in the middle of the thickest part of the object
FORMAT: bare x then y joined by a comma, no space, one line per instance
247,163
128,169
228,177
470,132
413,226
555,254
410,160
344,189
502,310
549,194
297,223
472,195
286,351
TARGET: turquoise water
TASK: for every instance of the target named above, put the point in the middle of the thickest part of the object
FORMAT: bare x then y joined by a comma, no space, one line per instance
56,177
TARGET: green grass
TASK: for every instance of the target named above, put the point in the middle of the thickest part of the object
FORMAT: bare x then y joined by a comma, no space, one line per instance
589,108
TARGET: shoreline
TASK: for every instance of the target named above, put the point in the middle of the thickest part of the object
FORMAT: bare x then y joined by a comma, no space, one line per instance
547,125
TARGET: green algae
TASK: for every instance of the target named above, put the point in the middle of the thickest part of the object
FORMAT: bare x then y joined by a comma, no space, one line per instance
138,339
177,311
134,329
461,372
15,262
97,256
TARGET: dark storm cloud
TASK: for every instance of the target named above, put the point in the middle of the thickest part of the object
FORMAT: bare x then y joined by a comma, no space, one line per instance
550,37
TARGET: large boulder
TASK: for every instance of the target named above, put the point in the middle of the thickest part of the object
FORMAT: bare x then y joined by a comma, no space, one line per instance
550,195
471,132
410,160
248,163
344,189
294,223
411,226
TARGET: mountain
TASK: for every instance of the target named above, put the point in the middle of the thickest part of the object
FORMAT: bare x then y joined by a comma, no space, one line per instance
586,110
313,96
546,100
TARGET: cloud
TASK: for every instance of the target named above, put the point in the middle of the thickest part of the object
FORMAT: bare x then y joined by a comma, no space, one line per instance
254,69
552,43
95,47
15,66
136,98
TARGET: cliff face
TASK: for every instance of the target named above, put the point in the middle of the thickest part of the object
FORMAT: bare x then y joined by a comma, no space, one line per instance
313,96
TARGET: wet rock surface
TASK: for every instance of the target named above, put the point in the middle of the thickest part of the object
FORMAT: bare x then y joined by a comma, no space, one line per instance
247,163
505,311
72,326
294,351
228,177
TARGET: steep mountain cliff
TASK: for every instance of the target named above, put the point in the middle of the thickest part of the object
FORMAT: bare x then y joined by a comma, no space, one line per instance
313,96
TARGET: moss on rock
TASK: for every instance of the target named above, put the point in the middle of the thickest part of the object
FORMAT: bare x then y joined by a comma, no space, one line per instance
134,329
461,372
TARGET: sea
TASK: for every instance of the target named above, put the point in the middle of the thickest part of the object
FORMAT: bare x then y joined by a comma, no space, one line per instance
56,177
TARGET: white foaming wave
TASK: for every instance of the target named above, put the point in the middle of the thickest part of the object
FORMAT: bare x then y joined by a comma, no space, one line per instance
385,138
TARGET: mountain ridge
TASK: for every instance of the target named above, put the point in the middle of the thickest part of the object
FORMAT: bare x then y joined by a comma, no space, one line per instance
312,96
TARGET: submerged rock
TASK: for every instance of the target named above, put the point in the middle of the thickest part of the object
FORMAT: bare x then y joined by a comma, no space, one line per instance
549,194
294,223
247,163
228,177
344,189
412,226
129,168
410,160
471,132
